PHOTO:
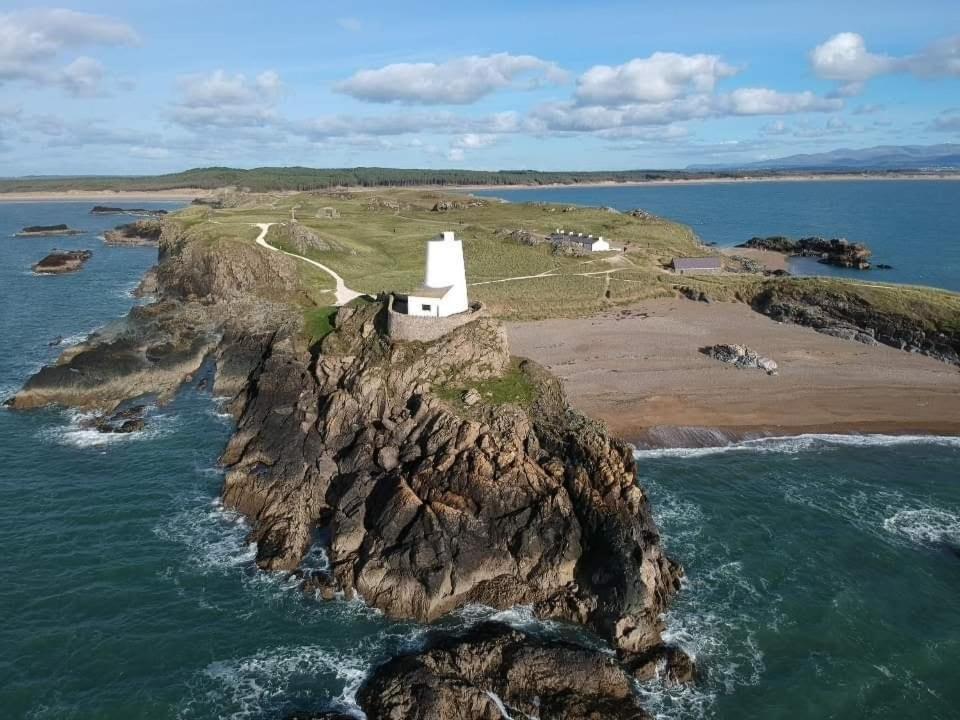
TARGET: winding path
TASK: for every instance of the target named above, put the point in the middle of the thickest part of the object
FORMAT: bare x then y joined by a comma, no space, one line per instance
343,294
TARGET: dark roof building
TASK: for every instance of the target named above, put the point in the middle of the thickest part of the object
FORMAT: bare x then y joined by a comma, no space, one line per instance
686,266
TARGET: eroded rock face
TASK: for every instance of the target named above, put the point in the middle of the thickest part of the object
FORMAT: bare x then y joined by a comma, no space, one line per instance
428,509
852,318
494,671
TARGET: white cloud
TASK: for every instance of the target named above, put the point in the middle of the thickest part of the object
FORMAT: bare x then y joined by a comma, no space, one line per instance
764,101
658,78
456,154
472,141
83,76
846,59
219,99
941,59
460,81
32,41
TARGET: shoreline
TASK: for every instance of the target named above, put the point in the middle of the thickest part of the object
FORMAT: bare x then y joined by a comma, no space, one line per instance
191,193
705,438
640,370
103,195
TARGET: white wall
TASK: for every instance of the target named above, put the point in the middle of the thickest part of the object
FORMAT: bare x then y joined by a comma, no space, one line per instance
415,306
445,268
600,246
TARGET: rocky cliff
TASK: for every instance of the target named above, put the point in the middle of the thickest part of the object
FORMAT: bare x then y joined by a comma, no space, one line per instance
428,508
910,320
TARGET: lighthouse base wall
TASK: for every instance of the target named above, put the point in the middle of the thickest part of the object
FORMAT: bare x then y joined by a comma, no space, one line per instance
419,328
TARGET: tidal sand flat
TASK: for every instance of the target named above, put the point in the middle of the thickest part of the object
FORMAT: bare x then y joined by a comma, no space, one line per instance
642,372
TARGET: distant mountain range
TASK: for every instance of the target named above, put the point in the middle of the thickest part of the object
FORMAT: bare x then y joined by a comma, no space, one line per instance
883,157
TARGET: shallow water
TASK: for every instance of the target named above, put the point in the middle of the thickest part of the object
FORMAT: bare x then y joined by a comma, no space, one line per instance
909,224
821,572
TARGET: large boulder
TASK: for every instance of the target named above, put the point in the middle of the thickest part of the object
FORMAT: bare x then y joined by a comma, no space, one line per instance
494,671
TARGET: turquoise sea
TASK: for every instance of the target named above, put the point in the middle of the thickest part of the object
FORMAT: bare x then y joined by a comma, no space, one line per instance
822,573
912,225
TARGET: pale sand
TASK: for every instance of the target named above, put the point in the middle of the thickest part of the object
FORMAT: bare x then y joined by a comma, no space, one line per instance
645,376
106,195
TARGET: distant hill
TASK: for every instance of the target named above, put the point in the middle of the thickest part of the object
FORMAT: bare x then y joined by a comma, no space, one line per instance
269,179
880,158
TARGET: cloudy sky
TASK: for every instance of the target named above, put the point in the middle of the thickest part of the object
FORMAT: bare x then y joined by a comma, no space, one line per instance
147,87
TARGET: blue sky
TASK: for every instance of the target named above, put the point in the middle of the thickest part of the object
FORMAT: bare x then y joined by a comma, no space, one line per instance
150,87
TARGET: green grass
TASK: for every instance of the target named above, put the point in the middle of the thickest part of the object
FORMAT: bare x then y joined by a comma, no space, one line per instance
932,309
514,386
318,323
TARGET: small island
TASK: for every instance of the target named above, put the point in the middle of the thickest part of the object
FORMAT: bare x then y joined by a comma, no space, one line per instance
46,230
60,262
836,251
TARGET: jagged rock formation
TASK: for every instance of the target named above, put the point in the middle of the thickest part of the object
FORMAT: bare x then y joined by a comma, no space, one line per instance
852,317
209,296
494,672
141,232
836,251
428,510
740,356
60,262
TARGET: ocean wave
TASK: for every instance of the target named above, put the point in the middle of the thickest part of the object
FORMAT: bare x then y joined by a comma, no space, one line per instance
256,685
78,433
215,537
925,526
793,444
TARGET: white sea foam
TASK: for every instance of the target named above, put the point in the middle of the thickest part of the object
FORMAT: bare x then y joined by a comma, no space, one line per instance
248,687
78,433
925,526
215,537
789,445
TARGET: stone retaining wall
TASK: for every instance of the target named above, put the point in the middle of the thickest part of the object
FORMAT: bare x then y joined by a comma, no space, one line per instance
401,326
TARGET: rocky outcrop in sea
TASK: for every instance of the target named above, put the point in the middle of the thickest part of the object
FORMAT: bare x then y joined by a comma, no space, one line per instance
60,262
836,251
141,232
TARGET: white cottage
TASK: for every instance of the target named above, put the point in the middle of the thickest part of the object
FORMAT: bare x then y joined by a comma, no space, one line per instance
444,290
587,242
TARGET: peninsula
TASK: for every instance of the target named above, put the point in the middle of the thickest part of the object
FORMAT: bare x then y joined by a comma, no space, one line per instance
449,467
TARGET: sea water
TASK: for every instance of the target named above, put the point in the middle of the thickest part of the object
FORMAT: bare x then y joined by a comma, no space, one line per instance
912,225
822,573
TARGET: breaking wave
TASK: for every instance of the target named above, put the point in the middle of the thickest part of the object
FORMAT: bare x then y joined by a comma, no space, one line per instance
925,526
800,443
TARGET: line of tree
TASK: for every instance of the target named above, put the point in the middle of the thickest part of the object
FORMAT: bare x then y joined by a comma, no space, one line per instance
301,178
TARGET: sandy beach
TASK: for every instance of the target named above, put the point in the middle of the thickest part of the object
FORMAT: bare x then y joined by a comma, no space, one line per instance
105,195
640,370
190,193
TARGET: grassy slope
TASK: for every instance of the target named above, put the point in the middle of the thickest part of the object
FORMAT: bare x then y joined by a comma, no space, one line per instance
379,248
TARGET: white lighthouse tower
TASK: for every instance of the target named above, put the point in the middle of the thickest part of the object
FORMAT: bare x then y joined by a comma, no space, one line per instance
444,290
